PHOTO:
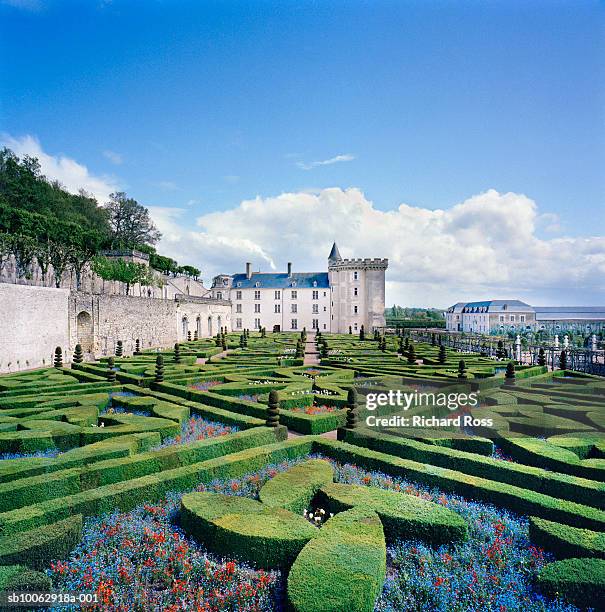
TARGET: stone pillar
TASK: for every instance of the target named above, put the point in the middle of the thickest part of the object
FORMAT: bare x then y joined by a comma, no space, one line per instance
556,341
518,348
593,342
566,341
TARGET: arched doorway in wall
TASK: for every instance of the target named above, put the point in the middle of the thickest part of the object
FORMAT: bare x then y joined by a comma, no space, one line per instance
210,326
85,331
185,327
198,326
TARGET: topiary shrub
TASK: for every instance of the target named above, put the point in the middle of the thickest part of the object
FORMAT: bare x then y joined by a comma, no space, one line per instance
58,362
78,354
541,357
159,369
563,360
177,353
461,369
509,375
442,354
273,410
19,578
137,347
411,354
351,409
111,373
119,349
565,541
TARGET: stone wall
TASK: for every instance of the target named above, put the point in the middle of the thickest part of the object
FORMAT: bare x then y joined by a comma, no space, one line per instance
33,321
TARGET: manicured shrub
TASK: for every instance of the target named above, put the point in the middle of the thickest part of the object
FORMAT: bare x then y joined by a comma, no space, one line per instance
111,373
461,369
541,357
58,362
442,354
565,541
119,348
273,410
578,581
351,409
159,369
19,578
177,353
78,354
510,372
295,488
403,516
36,548
343,568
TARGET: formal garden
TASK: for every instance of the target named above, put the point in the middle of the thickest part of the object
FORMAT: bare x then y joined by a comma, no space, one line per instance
235,473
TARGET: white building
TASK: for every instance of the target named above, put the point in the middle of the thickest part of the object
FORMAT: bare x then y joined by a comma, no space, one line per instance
351,294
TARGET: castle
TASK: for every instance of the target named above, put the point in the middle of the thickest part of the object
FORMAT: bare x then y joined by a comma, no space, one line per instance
350,294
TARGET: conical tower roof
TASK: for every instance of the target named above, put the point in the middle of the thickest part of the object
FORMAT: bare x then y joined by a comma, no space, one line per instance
334,254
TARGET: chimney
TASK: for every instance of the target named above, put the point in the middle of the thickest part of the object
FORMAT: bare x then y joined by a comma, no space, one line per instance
248,270
289,269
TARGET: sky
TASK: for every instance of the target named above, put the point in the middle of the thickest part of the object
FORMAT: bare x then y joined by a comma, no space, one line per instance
462,140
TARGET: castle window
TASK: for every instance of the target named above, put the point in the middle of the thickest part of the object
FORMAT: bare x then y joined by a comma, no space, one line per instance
256,323
355,292
278,295
257,295
294,295
315,308
238,308
277,308
324,294
238,295
355,326
294,323
522,318
316,295
294,308
355,309
256,307
219,295
512,317
238,323
355,276
315,324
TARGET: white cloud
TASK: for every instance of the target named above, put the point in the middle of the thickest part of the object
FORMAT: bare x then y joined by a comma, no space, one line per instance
325,162
113,157
166,185
71,174
484,247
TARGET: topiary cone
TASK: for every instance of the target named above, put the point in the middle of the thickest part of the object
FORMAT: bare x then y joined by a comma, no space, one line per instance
58,362
177,353
119,348
137,347
351,409
273,410
111,374
159,369
510,372
78,354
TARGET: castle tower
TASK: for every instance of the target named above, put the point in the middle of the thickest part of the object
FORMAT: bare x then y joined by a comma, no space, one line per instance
357,292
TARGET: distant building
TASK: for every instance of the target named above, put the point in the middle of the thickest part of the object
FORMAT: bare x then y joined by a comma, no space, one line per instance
350,293
503,316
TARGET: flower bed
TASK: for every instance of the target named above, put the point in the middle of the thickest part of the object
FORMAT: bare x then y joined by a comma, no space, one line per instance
314,410
140,559
198,428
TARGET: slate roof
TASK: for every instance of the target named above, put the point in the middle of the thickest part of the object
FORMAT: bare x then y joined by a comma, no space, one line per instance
567,313
281,280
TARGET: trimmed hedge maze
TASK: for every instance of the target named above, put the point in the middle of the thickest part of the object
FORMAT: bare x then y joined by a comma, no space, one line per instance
160,481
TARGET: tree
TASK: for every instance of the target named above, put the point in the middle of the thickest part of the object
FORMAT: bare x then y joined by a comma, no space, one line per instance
159,369
541,357
119,348
273,409
411,354
362,333
442,355
509,375
78,354
58,362
111,373
190,271
350,330
177,353
127,272
351,409
137,347
130,222
461,369
563,360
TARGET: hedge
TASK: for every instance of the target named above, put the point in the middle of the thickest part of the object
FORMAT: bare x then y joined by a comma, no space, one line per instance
517,499
564,486
403,516
19,578
578,581
565,541
27,491
343,568
37,547
295,488
128,494
244,528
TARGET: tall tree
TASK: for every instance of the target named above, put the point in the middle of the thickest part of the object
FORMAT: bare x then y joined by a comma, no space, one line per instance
130,222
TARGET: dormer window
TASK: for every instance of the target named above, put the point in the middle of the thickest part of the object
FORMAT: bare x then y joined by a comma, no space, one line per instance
315,283
225,282
257,284
293,283
505,306
239,283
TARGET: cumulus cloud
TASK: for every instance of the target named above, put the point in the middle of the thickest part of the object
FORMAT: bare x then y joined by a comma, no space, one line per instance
71,174
484,247
325,162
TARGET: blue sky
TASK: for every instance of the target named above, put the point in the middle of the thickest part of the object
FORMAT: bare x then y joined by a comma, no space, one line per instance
194,107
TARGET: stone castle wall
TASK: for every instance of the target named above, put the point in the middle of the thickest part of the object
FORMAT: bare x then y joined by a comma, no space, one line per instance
35,320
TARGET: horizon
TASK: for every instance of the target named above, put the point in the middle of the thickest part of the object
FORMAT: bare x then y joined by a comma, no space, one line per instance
461,142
